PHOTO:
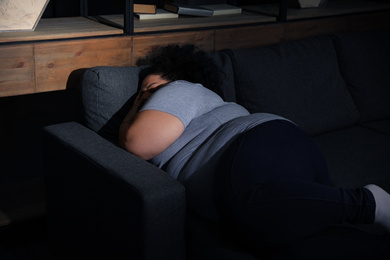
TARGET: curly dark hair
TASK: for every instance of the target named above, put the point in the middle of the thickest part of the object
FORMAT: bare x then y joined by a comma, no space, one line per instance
186,62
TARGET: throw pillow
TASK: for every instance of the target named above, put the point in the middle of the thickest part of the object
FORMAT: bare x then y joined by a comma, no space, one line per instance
107,95
299,80
365,65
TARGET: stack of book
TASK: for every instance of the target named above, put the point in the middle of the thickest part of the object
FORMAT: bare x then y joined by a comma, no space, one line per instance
144,8
158,14
173,10
223,9
185,9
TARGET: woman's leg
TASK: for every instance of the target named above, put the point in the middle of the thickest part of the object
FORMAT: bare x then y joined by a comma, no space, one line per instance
273,187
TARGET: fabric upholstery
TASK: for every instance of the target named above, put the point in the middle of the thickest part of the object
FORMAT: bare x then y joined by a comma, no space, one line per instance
106,203
298,80
365,64
356,156
119,205
106,96
226,89
380,126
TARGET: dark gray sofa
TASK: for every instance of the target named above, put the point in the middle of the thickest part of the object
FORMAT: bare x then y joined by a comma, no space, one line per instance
103,202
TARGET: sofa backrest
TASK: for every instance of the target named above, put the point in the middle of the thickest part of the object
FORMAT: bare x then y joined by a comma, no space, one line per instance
107,95
364,59
299,80
108,92
224,64
308,81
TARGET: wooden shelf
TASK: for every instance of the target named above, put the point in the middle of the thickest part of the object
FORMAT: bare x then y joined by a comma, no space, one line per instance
330,9
77,27
61,28
188,23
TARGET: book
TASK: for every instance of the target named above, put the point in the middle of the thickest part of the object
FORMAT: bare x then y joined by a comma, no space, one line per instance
145,8
223,9
21,15
184,9
160,14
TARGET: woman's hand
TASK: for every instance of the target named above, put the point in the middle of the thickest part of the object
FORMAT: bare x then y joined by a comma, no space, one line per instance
151,84
148,133
143,95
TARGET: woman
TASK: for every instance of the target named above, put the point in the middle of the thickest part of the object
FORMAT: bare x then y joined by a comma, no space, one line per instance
258,174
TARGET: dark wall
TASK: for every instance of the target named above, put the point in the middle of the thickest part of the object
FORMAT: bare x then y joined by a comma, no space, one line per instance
69,8
58,8
21,121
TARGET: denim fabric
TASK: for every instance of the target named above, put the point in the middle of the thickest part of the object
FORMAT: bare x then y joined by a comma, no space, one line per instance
274,188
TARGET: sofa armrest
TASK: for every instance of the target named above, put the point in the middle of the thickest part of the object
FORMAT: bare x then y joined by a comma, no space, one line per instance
105,202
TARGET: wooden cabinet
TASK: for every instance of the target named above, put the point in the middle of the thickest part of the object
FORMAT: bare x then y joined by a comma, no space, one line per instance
142,44
46,66
248,37
55,61
42,60
16,70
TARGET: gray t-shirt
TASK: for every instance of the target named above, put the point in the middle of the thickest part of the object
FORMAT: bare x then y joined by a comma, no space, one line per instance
210,123
210,126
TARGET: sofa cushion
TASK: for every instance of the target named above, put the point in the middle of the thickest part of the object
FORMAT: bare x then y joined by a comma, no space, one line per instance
365,65
299,80
356,156
106,96
226,87
380,126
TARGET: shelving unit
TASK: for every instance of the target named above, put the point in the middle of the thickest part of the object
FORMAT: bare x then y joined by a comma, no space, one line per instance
61,28
192,23
43,60
252,14
336,8
133,26
125,24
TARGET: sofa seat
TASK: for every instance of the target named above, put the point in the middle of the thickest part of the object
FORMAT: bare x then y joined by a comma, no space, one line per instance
356,156
380,126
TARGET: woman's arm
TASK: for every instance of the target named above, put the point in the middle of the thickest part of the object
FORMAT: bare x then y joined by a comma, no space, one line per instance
148,133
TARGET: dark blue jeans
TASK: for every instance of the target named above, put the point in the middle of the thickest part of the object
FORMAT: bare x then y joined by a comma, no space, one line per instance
273,188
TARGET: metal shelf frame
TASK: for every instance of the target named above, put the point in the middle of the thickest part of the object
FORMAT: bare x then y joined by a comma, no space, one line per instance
128,25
